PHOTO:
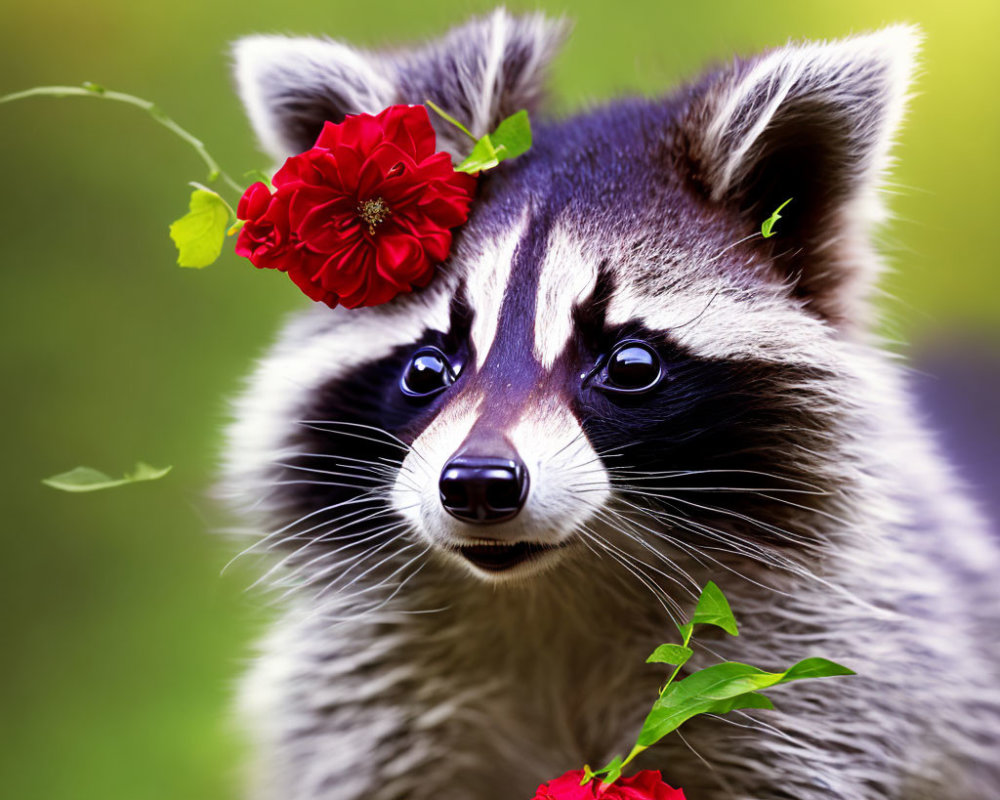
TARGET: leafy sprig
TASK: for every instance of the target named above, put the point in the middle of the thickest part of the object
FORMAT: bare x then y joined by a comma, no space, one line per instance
511,138
718,689
199,234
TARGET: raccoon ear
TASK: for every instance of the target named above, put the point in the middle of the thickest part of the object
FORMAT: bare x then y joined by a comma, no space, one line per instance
480,73
291,85
815,123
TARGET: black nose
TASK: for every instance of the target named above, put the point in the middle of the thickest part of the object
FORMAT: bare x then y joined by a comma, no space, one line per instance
483,490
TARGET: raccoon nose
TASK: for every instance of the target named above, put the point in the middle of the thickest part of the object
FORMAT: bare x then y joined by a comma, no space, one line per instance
483,490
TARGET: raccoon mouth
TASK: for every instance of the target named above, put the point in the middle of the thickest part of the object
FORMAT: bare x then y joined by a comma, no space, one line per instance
501,556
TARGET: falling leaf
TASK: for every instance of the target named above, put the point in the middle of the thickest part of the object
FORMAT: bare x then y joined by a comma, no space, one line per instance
87,479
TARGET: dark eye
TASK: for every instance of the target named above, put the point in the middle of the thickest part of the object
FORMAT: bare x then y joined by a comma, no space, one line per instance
633,367
427,373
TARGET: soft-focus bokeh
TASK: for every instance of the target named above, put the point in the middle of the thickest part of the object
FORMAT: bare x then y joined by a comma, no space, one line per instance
120,638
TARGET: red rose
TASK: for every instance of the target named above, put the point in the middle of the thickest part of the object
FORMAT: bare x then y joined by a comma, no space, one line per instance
264,235
364,215
645,785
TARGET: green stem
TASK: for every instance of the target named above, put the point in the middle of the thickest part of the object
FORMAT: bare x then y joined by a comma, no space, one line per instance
92,90
442,113
635,751
670,680
639,748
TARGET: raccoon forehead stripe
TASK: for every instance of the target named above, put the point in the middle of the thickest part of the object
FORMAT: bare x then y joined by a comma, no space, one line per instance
567,277
486,286
728,322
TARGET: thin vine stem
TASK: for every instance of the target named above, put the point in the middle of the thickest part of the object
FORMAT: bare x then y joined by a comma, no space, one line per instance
640,748
93,90
448,117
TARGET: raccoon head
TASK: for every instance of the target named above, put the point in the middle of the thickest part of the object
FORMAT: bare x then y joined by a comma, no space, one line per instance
613,359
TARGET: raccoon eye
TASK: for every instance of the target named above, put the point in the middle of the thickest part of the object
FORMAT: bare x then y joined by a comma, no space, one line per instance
428,373
632,367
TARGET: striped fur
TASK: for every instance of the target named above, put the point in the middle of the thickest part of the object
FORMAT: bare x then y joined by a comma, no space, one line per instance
780,455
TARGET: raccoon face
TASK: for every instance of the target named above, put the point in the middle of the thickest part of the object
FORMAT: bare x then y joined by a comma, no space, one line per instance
614,358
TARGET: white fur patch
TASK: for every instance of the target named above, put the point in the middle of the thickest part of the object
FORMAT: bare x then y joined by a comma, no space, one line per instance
728,323
486,284
493,78
567,277
567,481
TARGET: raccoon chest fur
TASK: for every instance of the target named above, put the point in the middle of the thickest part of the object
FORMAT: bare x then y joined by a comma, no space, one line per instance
492,695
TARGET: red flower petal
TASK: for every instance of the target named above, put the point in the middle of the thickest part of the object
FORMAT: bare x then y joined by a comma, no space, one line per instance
363,132
646,785
349,163
333,275
437,244
328,227
409,128
329,137
297,169
364,215
400,259
304,201
254,201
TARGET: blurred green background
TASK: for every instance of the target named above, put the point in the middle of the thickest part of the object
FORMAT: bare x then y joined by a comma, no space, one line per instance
121,640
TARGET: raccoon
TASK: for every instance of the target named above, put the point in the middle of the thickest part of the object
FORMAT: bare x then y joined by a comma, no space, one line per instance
486,502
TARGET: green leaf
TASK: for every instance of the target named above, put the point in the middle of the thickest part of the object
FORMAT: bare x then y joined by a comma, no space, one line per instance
713,609
200,233
816,668
768,224
721,688
676,655
512,136
87,479
741,701
483,156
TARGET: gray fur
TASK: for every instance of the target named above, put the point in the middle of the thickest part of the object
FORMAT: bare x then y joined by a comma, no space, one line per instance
402,673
